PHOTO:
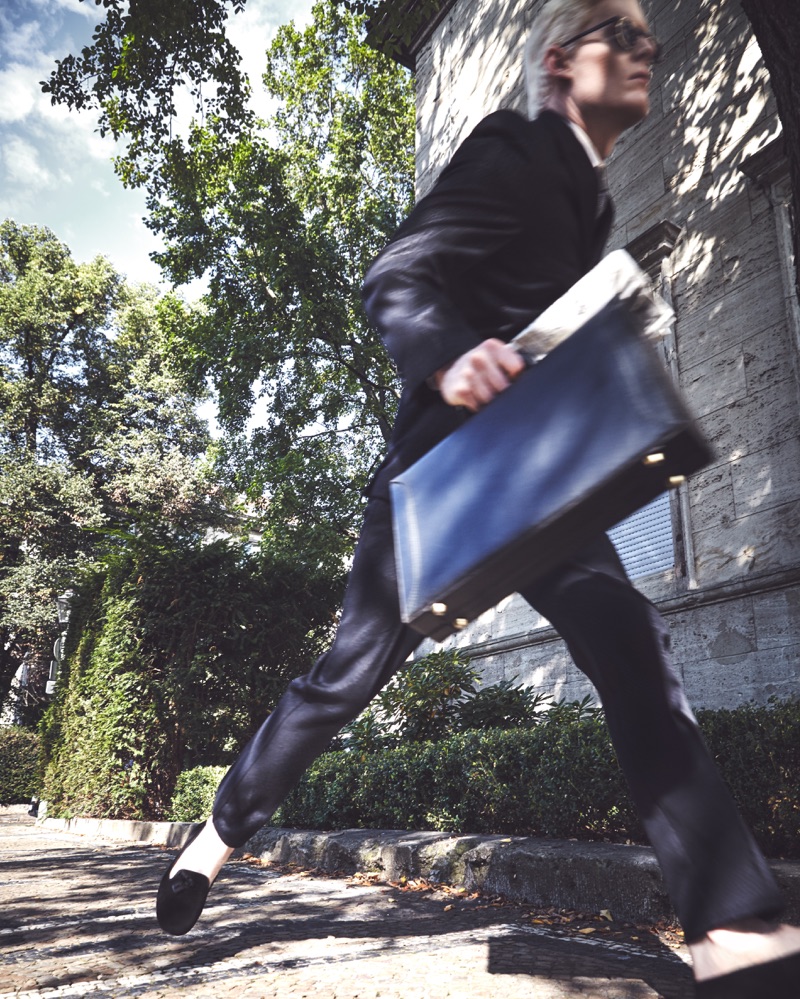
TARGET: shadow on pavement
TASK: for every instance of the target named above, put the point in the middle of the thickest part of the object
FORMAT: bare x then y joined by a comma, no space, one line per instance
82,911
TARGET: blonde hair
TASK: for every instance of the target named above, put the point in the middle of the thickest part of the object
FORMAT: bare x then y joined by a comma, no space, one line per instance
557,21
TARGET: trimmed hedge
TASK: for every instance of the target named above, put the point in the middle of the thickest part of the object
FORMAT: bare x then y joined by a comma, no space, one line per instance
194,793
559,779
757,750
176,651
19,765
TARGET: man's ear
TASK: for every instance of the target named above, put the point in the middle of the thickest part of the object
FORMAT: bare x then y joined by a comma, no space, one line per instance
558,62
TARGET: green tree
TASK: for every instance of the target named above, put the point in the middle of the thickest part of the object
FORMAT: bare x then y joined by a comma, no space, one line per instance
54,314
144,54
97,432
178,648
281,217
283,222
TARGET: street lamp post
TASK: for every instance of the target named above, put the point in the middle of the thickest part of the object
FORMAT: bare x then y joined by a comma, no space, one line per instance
63,610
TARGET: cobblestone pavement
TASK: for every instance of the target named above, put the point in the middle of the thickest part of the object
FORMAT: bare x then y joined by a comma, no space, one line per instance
76,919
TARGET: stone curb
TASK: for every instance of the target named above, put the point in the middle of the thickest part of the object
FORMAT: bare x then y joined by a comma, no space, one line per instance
588,877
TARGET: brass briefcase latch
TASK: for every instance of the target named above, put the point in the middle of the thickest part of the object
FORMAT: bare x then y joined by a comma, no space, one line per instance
439,609
654,459
676,480
460,623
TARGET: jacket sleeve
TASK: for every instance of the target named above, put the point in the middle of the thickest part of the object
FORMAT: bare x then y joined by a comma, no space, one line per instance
475,207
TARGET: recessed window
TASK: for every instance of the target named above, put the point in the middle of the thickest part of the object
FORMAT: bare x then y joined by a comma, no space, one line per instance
644,540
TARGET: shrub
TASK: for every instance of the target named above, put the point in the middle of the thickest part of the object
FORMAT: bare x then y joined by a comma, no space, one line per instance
552,780
176,651
757,750
559,778
423,700
502,705
19,765
194,794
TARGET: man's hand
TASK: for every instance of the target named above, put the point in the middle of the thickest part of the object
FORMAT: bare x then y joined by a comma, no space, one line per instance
475,378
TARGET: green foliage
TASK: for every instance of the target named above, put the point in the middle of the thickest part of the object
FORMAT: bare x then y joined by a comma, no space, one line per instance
559,778
54,317
392,26
194,794
545,781
183,645
142,55
366,734
502,705
145,56
281,217
283,221
178,650
436,696
422,701
19,765
97,432
757,750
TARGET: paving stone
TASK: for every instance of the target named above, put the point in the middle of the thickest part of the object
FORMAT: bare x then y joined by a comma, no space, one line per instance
76,919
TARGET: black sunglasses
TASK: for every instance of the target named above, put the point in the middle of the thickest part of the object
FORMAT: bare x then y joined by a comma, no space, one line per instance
626,35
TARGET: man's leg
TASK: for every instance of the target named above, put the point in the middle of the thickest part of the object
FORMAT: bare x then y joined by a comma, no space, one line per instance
713,869
371,644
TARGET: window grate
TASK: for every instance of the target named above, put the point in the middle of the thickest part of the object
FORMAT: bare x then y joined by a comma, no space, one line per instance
644,540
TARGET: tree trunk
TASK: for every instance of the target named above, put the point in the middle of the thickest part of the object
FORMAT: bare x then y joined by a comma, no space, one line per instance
776,25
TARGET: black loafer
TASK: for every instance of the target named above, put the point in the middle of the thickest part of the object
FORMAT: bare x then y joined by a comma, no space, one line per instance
181,899
779,979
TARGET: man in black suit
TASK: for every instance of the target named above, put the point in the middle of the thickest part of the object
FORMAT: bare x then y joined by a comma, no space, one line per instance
514,220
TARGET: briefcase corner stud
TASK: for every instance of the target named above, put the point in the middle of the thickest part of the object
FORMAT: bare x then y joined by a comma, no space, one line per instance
658,458
440,610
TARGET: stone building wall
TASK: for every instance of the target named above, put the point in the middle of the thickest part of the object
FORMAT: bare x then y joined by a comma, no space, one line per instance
701,197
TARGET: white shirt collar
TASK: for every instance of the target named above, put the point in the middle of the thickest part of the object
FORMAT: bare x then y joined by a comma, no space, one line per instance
586,142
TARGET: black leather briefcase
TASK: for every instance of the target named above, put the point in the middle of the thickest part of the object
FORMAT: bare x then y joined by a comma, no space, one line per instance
578,442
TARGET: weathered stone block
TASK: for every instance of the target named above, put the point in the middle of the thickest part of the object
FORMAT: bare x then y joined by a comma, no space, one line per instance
716,382
769,361
755,422
764,540
711,497
766,479
713,631
777,618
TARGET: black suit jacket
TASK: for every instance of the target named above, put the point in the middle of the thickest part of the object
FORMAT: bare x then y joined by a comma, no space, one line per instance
508,227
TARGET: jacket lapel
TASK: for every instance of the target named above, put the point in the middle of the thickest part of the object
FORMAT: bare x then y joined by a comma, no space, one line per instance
583,185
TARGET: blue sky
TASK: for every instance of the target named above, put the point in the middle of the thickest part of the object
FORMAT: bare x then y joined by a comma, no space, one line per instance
55,170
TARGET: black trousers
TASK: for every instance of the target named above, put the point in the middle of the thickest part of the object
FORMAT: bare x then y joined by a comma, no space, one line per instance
713,869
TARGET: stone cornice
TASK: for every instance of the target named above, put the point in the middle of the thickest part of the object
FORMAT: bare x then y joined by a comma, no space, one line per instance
652,247
690,600
406,51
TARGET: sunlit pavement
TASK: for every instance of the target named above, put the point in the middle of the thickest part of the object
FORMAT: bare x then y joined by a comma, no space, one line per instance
77,919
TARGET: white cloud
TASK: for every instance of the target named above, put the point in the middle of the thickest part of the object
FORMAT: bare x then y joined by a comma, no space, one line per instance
19,40
91,11
23,166
17,96
55,169
253,31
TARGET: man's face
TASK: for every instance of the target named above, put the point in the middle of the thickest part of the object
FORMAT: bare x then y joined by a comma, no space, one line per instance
608,83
